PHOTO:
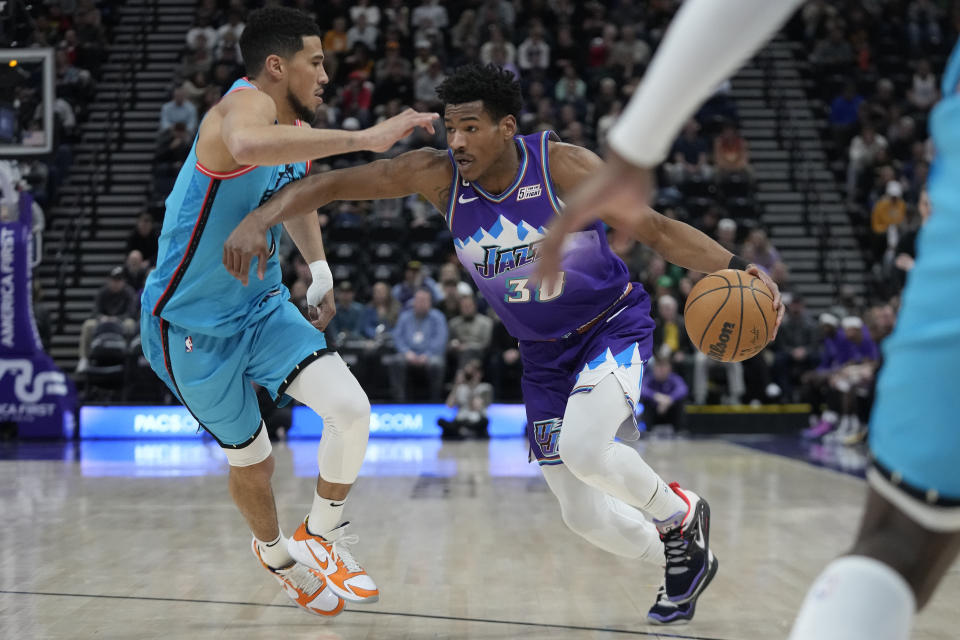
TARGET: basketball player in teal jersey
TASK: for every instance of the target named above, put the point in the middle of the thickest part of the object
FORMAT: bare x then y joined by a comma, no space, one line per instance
208,336
910,534
584,342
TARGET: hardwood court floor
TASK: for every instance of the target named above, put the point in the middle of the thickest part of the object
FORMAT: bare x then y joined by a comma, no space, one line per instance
120,540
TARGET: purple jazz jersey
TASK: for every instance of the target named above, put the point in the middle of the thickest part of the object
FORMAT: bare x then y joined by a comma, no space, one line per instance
497,238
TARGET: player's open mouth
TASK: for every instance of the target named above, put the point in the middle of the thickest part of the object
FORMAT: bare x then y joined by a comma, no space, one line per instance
463,163
318,95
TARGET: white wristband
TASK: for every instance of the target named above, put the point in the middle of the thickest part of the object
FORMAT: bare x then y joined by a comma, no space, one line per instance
322,282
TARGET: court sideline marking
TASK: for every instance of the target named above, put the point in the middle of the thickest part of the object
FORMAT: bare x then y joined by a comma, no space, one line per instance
565,627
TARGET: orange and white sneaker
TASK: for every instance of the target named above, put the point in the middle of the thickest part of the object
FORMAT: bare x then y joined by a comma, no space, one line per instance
330,555
307,587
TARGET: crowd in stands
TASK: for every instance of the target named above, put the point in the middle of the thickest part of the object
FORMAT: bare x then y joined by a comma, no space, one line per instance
875,69
409,321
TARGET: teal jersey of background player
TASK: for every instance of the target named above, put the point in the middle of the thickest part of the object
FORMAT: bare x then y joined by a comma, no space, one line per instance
913,424
190,287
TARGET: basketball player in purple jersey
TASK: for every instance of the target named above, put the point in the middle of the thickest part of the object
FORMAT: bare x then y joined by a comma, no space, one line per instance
584,338
910,532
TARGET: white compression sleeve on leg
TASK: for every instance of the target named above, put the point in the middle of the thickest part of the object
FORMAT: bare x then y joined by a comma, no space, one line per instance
856,598
602,520
706,41
588,448
327,386
254,453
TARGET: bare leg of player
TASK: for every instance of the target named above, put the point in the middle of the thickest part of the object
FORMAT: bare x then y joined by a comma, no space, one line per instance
872,593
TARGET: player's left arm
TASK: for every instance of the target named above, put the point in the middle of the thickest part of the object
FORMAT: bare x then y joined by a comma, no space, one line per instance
306,234
676,241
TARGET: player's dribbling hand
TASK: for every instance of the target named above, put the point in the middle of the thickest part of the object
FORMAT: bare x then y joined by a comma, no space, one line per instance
618,186
321,314
247,241
381,137
754,270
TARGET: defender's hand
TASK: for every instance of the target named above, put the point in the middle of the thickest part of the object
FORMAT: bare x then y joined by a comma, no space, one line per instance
381,137
618,185
247,241
321,315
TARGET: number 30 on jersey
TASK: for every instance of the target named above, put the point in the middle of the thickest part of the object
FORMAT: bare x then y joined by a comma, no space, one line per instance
518,291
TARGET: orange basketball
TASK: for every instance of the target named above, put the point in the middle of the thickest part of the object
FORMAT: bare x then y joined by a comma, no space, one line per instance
729,315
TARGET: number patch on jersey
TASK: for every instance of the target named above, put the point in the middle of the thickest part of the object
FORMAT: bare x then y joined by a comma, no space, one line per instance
519,292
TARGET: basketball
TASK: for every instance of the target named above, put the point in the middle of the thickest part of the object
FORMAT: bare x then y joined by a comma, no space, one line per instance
729,315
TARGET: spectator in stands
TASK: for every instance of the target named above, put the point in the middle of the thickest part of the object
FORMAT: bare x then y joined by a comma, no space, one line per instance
505,365
234,26
833,52
689,155
335,41
414,278
629,54
888,213
356,98
906,251
201,35
571,87
362,9
350,321
426,83
173,147
115,302
429,14
727,235
758,250
533,55
923,24
382,310
363,31
452,289
865,148
135,270
663,393
924,91
471,397
670,331
421,342
194,89
731,153
178,109
496,37
795,349
470,332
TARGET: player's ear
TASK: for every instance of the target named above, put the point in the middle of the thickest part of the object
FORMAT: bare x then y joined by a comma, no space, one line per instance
274,66
508,126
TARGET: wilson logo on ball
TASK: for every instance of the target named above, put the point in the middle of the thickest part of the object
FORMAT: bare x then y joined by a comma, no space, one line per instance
718,348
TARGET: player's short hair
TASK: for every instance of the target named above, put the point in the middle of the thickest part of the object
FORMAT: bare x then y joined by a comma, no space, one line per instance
497,88
274,30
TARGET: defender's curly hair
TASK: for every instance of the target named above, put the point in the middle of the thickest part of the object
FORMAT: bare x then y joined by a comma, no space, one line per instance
498,90
274,30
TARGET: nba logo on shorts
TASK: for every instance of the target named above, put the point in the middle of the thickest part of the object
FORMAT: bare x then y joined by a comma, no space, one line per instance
188,343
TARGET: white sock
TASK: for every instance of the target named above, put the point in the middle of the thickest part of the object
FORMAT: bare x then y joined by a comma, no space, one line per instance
665,503
324,515
275,553
856,598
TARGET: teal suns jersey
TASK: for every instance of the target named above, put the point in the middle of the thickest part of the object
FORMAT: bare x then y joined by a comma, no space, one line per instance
190,287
